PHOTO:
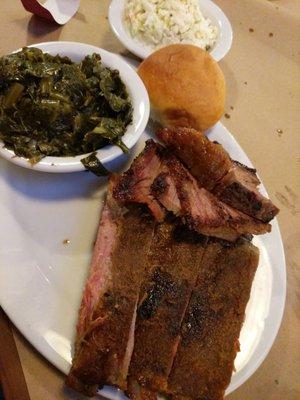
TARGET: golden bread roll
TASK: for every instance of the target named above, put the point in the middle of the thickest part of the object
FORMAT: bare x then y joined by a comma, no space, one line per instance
185,85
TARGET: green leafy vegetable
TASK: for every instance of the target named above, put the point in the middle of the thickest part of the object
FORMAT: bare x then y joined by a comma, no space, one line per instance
50,106
92,164
13,94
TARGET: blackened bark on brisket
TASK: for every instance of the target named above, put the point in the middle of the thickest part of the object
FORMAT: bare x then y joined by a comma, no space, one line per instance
232,182
104,348
169,184
134,185
208,162
209,334
174,259
239,188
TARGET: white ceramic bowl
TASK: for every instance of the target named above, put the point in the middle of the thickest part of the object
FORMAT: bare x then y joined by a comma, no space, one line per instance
138,94
209,9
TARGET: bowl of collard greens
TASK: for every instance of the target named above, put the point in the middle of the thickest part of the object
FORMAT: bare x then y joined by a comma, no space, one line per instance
67,106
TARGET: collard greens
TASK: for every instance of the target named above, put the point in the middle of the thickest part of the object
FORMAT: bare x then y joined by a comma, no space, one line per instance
51,106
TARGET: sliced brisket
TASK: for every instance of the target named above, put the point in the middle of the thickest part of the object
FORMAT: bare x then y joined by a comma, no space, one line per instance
232,182
239,188
163,305
134,185
208,162
170,184
200,209
205,357
175,257
105,331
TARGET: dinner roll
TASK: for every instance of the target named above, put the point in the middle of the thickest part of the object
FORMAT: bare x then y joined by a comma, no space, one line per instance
185,85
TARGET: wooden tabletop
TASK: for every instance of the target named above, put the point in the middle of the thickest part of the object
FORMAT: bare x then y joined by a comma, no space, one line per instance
263,113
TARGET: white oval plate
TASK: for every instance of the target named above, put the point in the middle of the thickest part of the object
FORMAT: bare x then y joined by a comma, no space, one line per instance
209,9
140,103
41,278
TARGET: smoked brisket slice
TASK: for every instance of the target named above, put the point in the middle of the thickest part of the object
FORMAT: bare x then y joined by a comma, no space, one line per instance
232,182
169,184
239,188
204,361
134,185
208,162
105,331
200,210
174,261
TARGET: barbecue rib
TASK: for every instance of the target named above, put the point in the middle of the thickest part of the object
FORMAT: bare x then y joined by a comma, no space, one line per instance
205,357
175,257
232,182
169,183
107,315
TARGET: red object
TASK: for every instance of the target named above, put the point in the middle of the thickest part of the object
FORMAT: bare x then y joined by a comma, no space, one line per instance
35,7
59,11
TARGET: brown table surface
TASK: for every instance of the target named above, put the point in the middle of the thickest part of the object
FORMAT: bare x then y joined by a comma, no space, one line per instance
263,99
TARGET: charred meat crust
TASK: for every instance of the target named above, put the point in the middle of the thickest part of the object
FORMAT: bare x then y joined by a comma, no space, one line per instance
208,162
76,384
174,257
160,286
232,182
134,184
239,188
204,213
160,185
172,186
103,355
252,171
204,361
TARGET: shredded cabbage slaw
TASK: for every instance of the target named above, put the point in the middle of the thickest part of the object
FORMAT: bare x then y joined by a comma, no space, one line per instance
158,23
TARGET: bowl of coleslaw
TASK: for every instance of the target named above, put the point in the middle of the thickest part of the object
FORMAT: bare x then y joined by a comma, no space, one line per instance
144,26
